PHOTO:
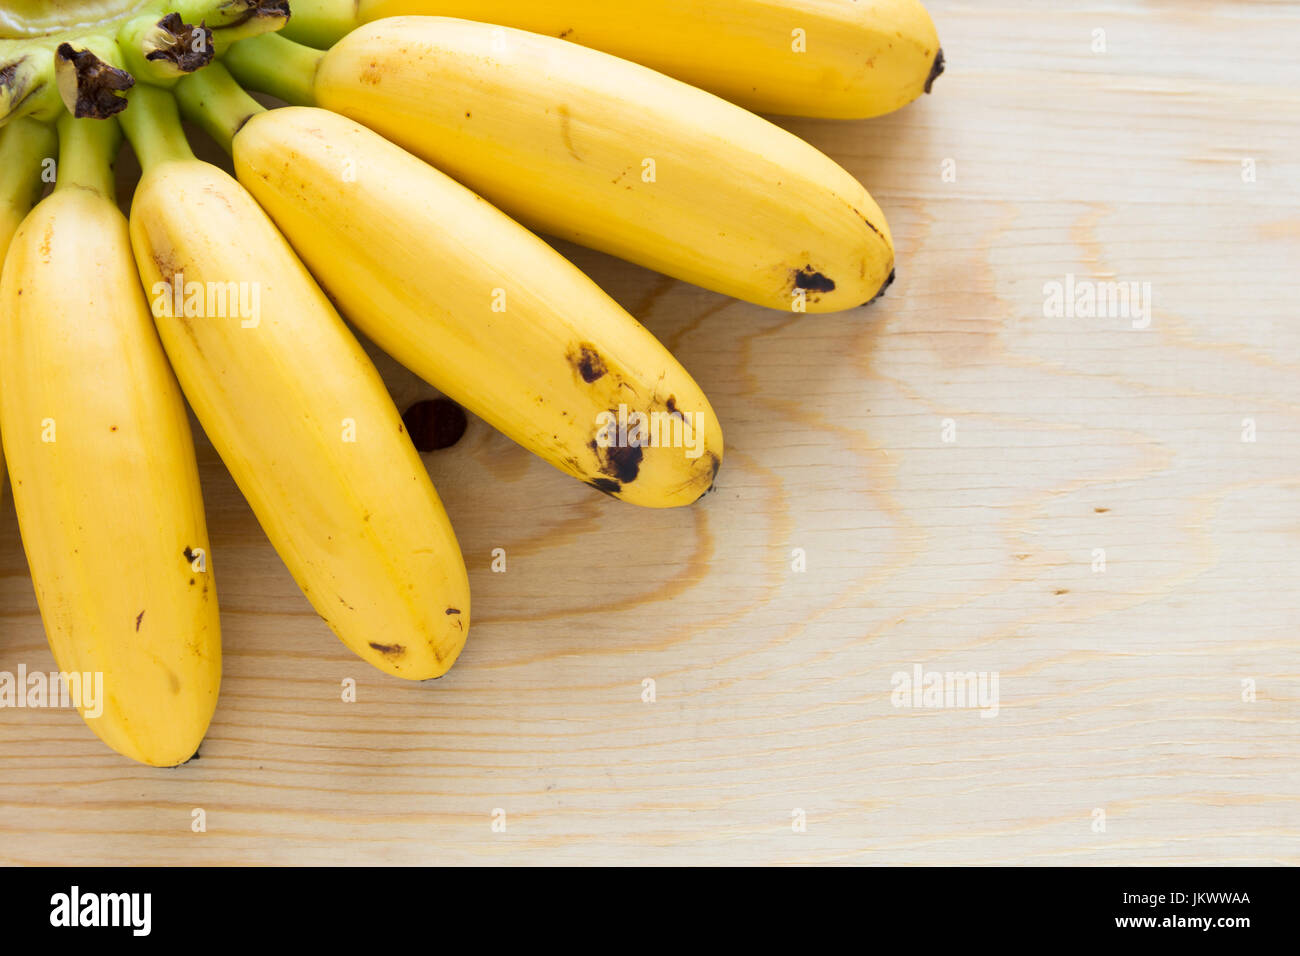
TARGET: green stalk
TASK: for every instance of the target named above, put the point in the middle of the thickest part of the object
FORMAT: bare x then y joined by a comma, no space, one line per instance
87,151
233,20
322,23
153,125
272,64
220,14
25,144
212,99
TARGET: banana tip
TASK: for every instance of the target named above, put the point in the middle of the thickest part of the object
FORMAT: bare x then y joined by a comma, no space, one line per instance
176,766
881,291
936,69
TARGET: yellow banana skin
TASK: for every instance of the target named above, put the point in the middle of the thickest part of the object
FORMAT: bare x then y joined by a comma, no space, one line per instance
302,419
104,480
611,155
418,262
24,144
838,59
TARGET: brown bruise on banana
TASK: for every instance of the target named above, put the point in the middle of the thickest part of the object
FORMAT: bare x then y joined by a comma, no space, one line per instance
810,280
617,466
586,361
814,283
178,41
389,650
18,82
167,267
89,87
189,554
9,74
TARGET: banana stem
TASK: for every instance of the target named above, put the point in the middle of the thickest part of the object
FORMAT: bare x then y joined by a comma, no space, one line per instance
221,14
25,144
153,125
233,20
87,151
212,99
272,64
322,23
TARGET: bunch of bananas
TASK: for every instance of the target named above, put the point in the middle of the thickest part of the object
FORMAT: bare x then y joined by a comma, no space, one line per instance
401,184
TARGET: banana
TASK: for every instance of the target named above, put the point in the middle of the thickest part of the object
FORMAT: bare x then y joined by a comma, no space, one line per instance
104,477
24,146
603,152
828,58
38,18
467,298
295,408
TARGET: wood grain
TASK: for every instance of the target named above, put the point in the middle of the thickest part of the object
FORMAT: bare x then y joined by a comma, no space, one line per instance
1120,690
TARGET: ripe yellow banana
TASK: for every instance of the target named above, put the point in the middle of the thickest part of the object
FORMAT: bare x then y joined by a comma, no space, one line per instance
603,152
295,408
24,146
834,58
467,298
104,478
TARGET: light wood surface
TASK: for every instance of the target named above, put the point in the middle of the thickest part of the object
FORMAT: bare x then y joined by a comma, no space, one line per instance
1121,690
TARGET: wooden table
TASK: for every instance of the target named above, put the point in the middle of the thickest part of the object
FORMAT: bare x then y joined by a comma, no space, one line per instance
1104,514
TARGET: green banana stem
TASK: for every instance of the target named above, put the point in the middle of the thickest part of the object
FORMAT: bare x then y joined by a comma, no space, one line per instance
25,148
153,126
87,152
322,23
272,64
213,100
220,14
234,20
161,50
